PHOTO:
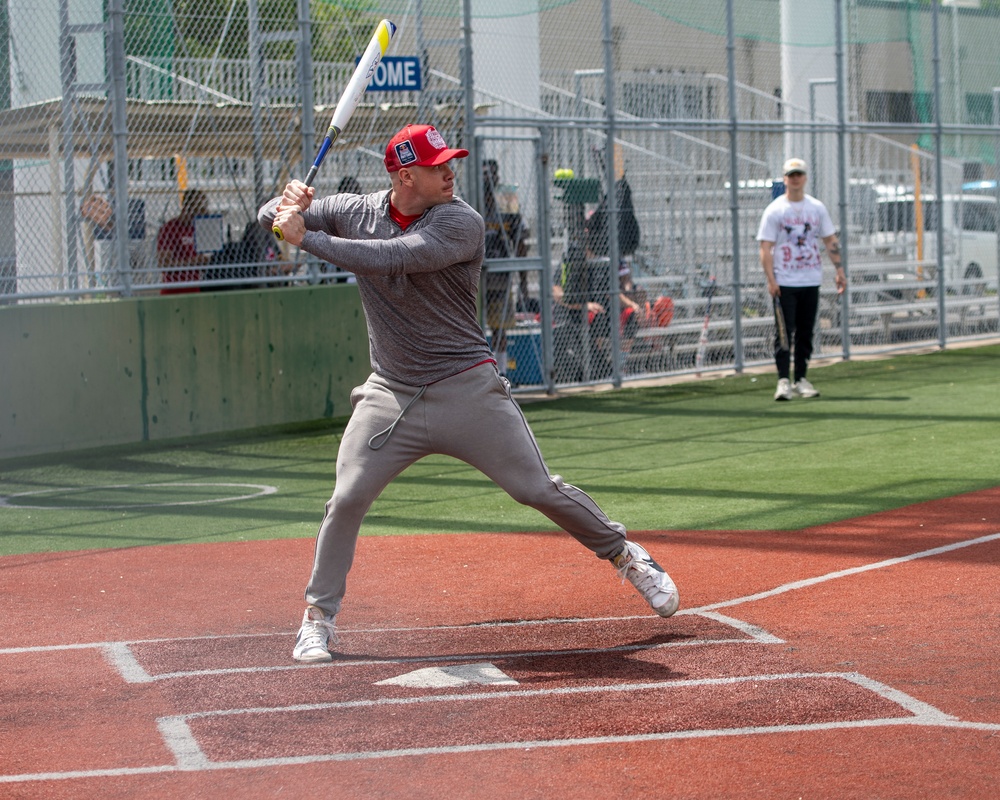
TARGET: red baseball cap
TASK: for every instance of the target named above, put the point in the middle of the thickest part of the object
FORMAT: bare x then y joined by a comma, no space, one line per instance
418,146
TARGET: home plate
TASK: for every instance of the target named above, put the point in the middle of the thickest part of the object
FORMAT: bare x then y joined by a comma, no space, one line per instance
444,677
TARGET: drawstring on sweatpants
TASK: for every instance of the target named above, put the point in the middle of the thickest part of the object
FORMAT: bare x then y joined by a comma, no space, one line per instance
388,431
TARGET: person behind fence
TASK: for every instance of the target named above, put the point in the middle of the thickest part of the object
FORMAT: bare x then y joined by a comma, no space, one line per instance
789,235
417,251
100,213
588,283
635,309
597,237
254,255
506,237
635,312
176,252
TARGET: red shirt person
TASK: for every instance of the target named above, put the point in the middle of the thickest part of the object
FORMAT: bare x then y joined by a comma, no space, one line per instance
175,246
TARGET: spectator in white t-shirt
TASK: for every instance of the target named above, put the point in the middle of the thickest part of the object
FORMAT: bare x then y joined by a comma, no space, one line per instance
789,235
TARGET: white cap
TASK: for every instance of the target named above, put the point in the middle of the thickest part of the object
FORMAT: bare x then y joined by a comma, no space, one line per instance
794,165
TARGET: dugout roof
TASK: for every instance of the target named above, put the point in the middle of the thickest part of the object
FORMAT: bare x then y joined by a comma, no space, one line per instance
162,129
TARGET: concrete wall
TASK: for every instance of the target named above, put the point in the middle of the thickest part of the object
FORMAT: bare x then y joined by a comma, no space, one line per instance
92,374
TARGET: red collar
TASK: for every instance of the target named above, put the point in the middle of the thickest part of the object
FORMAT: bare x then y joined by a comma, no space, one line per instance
401,219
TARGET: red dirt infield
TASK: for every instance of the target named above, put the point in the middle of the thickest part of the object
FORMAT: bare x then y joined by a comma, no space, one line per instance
852,660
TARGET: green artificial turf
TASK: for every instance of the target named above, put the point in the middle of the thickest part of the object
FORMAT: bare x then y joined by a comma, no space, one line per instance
710,454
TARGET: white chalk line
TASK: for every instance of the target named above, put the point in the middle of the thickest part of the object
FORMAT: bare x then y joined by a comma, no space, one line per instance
262,490
519,623
451,657
189,756
121,656
486,747
843,573
915,707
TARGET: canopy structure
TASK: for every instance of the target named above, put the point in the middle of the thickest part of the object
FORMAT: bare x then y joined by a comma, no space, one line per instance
165,128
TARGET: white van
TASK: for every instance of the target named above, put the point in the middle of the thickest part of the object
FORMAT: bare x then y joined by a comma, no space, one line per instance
970,234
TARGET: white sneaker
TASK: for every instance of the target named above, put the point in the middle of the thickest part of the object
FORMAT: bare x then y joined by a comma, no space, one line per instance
803,388
315,636
637,566
784,391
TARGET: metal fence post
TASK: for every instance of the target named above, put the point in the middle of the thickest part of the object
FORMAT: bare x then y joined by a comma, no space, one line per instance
734,177
939,178
258,96
815,179
611,192
67,78
469,117
996,177
545,281
303,48
123,221
842,167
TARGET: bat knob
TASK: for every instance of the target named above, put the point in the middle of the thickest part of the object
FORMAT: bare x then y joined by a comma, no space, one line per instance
278,234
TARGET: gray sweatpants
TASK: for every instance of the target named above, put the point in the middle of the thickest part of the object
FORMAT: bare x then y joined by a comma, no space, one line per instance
470,416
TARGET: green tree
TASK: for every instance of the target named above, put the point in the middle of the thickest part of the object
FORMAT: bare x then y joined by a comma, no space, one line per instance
195,28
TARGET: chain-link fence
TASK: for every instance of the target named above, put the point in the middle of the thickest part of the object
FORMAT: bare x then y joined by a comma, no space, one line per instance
622,156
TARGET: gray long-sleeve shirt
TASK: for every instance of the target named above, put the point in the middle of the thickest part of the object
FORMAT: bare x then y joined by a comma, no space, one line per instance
418,287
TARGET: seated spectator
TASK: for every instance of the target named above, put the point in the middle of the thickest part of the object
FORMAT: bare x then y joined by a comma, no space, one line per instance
175,245
254,255
634,306
97,210
103,257
634,312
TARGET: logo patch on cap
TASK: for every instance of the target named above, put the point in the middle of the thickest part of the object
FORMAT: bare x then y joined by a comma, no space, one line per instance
435,139
405,153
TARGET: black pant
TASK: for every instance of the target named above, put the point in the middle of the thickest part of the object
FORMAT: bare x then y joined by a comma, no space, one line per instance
799,304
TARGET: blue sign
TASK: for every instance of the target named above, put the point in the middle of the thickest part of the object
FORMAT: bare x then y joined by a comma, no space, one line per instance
396,74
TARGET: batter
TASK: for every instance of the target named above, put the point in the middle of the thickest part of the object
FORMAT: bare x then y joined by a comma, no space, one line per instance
417,251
